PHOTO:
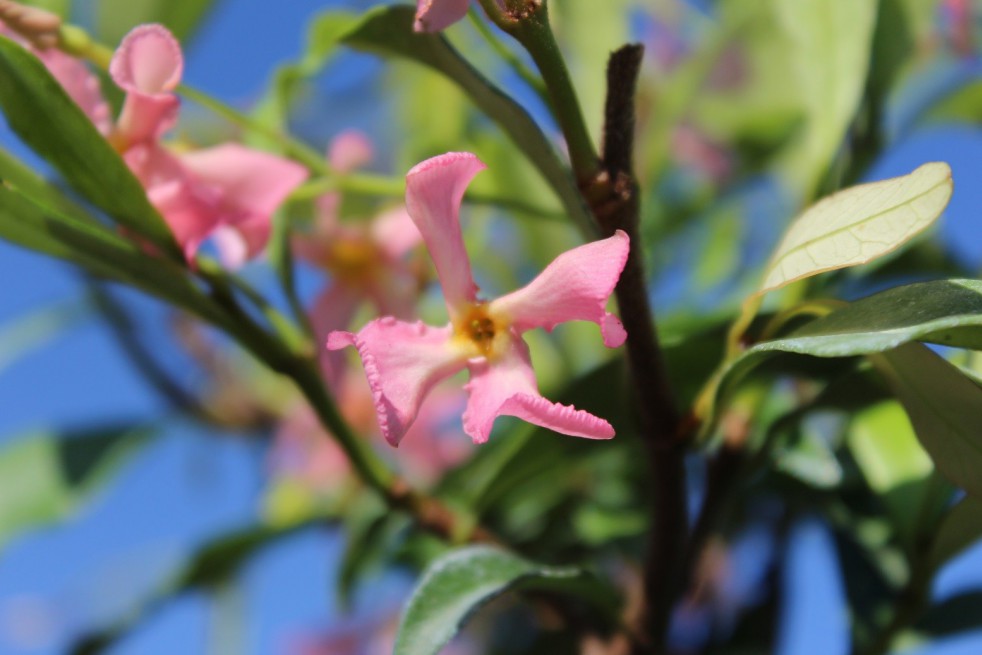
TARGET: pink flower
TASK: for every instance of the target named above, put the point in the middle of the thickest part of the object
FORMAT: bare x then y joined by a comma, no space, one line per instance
367,260
228,192
435,15
403,361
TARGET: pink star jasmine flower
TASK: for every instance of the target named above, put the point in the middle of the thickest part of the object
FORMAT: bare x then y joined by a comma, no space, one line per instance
403,361
228,192
367,260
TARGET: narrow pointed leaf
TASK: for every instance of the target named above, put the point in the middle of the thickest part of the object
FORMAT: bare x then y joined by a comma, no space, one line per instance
945,408
458,584
859,224
41,113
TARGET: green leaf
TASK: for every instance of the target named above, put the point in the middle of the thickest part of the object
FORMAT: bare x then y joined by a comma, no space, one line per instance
859,224
99,251
961,528
25,333
458,584
954,615
114,18
944,407
44,477
947,312
897,469
829,44
41,113
387,31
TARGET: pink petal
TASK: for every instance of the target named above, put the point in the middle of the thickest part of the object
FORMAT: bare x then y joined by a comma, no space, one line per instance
434,190
80,85
333,310
188,210
350,150
435,15
232,245
402,362
249,185
395,232
574,287
507,387
147,65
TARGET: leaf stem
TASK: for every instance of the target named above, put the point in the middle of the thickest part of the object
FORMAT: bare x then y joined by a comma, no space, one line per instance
531,79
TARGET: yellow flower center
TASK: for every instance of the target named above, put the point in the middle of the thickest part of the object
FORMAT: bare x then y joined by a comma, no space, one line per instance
353,260
479,333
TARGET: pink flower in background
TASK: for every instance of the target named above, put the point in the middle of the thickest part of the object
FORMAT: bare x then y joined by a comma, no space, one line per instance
366,260
403,361
435,15
228,192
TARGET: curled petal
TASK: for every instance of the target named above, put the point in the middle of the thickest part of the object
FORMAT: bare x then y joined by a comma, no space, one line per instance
574,287
507,387
333,310
402,363
434,190
349,151
248,186
435,15
148,66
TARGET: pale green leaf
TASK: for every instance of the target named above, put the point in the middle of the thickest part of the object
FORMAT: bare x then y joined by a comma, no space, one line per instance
859,224
114,18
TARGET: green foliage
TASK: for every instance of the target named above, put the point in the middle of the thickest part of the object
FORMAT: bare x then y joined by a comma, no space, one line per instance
456,585
114,18
44,477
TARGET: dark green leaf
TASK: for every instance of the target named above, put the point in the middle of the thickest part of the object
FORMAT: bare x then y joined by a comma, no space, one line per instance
960,613
388,31
944,407
947,312
459,583
42,114
99,251
961,528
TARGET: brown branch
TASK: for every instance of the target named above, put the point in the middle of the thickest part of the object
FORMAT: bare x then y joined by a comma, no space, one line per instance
614,198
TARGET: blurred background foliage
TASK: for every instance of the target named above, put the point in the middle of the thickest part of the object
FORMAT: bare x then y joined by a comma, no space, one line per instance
143,509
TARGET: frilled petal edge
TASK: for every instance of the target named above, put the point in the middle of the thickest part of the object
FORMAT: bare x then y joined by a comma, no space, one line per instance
402,363
507,387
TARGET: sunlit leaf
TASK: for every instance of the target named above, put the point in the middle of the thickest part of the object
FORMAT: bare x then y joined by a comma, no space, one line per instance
42,114
859,224
945,408
458,584
828,44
